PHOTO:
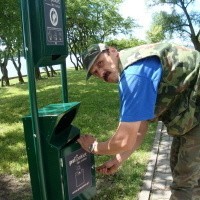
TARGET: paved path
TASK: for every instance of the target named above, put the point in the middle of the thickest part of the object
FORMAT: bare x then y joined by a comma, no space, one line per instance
158,176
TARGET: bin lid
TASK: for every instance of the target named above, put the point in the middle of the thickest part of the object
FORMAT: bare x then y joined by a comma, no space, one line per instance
55,122
56,109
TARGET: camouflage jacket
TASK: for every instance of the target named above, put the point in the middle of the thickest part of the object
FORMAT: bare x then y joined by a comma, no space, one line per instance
178,100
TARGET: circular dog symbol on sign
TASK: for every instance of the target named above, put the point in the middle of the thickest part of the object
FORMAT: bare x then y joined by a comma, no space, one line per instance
53,16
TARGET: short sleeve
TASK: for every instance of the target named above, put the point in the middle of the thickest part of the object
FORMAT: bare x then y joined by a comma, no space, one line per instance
138,90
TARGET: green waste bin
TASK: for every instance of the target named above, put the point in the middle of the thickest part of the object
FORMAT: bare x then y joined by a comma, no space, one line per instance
69,171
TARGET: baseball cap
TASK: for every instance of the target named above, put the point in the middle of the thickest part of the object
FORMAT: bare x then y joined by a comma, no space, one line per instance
91,55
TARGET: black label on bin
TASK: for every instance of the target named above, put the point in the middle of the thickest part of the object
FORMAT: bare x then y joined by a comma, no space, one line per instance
79,175
53,22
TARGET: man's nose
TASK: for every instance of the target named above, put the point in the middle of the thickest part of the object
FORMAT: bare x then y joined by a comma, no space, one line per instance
101,73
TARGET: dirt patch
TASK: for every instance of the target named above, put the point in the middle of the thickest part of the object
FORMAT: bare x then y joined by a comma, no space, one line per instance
12,188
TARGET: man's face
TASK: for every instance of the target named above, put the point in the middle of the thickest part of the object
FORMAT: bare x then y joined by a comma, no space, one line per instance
106,66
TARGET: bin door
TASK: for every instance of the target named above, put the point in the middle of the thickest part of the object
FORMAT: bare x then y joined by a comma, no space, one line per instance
79,172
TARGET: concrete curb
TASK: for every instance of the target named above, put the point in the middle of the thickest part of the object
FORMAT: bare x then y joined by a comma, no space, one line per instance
148,177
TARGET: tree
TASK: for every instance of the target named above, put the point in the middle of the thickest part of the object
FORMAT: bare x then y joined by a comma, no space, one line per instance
182,20
4,55
52,71
11,35
156,32
125,43
17,64
93,21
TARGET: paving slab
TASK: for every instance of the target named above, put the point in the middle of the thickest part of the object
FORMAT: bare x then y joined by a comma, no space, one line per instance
157,179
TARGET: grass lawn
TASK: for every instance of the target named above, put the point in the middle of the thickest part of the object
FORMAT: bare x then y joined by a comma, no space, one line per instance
98,114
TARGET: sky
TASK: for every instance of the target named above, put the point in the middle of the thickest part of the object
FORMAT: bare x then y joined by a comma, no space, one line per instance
143,15
139,12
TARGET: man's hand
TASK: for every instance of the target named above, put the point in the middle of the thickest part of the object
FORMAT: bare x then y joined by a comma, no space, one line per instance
109,167
85,141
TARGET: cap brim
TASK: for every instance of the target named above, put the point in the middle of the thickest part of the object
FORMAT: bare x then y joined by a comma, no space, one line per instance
88,76
90,66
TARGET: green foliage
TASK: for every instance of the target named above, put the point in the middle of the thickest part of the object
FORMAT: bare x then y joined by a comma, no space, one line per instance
155,34
10,24
98,115
158,28
124,43
165,25
93,21
182,19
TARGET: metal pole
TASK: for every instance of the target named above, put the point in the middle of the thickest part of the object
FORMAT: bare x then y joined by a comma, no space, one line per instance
33,102
64,82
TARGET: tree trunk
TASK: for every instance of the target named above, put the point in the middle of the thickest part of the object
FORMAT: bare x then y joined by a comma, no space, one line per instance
53,72
47,71
4,79
18,68
196,42
37,73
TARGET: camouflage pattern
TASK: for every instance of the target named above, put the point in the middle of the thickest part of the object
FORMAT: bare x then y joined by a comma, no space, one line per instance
184,162
178,100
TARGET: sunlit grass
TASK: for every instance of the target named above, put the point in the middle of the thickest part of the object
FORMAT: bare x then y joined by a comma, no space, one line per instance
98,114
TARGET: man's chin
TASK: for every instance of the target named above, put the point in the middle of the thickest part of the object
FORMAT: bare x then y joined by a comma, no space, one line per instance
111,81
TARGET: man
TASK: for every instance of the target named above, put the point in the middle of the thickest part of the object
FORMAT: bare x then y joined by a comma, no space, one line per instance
157,81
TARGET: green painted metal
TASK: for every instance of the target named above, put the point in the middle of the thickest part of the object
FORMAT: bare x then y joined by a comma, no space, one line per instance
49,44
64,82
48,121
35,136
58,143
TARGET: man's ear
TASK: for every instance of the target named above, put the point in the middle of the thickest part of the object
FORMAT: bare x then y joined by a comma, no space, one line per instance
113,51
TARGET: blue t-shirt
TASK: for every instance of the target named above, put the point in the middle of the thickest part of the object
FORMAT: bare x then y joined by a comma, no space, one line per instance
138,89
